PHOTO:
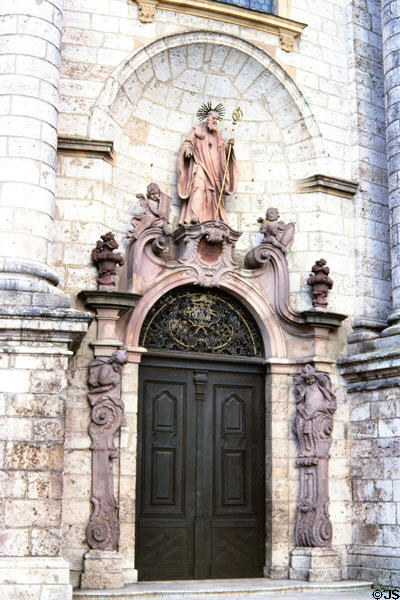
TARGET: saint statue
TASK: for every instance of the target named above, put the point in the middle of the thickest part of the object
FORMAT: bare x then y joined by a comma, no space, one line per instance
202,162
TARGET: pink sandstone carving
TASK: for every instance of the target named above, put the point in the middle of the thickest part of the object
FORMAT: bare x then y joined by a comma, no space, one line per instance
107,416
201,165
276,233
315,406
106,260
320,283
155,214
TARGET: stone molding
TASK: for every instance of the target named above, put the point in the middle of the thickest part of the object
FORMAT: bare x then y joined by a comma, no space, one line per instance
328,185
35,324
79,146
286,29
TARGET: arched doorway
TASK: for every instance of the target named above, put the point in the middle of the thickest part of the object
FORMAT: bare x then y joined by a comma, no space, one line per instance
201,439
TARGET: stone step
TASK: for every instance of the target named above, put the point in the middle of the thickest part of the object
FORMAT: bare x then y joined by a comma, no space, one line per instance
240,589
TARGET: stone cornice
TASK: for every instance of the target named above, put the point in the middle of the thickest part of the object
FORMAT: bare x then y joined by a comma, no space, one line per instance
328,185
286,29
71,146
323,318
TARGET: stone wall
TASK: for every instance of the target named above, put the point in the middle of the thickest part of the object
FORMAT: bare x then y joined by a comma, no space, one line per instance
375,468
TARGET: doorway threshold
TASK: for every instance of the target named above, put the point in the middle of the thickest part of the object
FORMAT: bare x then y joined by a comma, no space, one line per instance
224,589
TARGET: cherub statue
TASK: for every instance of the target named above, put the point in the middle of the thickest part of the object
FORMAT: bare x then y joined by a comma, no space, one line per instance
156,206
277,233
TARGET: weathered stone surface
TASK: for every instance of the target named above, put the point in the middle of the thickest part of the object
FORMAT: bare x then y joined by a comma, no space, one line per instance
34,456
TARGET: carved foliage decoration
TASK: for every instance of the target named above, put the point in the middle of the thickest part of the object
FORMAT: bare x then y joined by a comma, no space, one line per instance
315,406
194,319
107,416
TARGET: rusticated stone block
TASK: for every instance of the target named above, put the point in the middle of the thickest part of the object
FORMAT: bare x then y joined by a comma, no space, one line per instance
13,484
45,542
47,382
26,513
315,564
45,485
102,569
49,430
14,542
30,405
34,456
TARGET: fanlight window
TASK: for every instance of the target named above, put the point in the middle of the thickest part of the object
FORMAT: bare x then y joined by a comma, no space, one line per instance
196,319
266,6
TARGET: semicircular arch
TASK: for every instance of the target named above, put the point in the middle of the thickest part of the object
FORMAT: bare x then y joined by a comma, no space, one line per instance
260,80
263,314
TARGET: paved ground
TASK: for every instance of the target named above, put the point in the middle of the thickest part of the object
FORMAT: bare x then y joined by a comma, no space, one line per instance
358,595
239,589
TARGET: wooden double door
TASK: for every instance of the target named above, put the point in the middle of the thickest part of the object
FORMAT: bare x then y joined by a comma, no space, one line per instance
201,474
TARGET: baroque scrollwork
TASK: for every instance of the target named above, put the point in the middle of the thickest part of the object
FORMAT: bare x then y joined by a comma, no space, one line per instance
315,406
107,416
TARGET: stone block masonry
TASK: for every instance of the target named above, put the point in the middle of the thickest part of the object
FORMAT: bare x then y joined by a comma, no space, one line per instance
29,80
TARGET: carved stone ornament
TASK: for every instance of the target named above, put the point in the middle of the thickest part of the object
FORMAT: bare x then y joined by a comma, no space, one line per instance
315,406
207,249
320,283
156,206
276,233
106,260
107,416
146,10
287,40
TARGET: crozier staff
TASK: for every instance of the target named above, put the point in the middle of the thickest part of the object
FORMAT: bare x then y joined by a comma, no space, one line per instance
204,173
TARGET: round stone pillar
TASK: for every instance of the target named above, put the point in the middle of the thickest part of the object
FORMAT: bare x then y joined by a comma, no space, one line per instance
30,42
391,65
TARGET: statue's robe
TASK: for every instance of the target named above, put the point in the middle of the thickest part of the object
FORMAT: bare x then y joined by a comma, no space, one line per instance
200,177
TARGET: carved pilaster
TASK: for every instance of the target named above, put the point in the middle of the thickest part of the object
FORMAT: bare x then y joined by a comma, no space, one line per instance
315,406
107,416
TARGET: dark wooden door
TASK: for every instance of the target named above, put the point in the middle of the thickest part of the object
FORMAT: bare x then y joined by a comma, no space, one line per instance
201,488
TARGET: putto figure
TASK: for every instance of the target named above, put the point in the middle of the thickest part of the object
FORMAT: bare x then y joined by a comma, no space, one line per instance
201,167
156,206
277,233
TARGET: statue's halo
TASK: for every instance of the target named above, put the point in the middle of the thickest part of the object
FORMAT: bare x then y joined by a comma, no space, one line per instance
206,108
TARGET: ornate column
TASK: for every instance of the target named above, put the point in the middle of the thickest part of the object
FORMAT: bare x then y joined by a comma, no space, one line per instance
104,562
391,54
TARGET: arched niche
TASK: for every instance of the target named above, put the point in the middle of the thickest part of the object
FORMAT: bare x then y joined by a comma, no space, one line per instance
149,103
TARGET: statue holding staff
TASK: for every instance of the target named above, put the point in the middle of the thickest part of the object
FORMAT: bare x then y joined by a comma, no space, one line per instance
207,168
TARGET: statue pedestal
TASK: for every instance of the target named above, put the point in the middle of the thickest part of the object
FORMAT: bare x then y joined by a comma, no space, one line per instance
315,564
102,569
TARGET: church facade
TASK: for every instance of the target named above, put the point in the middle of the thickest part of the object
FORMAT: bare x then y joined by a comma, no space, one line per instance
200,339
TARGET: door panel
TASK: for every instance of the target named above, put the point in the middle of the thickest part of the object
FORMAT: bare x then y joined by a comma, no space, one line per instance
201,491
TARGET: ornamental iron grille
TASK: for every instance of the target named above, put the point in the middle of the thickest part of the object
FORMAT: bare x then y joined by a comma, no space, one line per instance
195,319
